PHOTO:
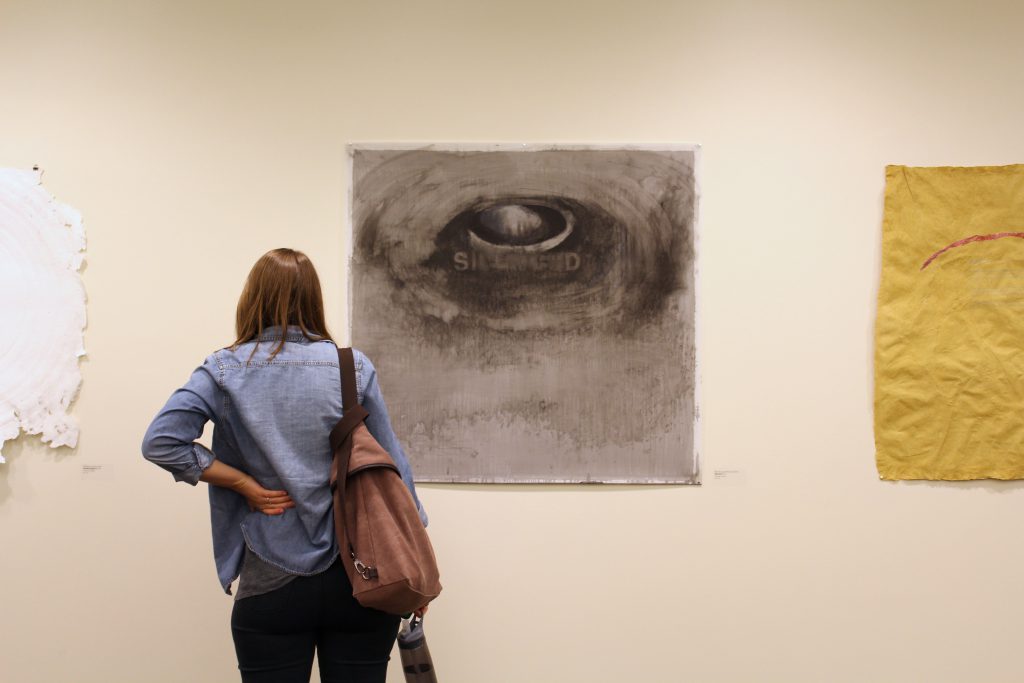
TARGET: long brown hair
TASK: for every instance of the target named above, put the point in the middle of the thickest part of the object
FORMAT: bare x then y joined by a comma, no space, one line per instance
282,289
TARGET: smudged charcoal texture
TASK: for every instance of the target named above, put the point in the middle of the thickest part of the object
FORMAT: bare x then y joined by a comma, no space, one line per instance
571,361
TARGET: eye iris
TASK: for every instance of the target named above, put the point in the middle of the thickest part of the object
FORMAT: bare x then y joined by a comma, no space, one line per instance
513,224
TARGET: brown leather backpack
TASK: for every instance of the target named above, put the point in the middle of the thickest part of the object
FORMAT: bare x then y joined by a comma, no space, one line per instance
384,548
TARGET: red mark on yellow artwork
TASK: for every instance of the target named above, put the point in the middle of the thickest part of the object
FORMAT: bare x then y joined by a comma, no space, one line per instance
969,240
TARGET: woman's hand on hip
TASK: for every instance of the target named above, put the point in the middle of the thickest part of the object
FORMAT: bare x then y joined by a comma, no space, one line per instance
264,500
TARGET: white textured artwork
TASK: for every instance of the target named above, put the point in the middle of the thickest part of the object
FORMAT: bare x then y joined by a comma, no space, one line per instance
43,303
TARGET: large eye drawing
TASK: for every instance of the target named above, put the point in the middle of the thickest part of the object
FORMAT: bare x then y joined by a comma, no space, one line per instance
523,303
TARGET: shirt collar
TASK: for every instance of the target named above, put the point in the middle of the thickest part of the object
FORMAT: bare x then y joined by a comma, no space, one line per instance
292,333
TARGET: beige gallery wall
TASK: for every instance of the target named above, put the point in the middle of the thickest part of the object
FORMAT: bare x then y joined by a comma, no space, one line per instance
194,136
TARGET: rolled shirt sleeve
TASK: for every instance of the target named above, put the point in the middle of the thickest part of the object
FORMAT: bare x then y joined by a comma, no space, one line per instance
379,424
170,441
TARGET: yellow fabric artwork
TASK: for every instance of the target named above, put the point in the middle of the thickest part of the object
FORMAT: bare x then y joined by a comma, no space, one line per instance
949,338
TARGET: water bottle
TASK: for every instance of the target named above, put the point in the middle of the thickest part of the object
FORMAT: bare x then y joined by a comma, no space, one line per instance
412,644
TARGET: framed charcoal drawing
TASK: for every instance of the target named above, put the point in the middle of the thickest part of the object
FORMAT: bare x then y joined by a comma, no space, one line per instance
530,309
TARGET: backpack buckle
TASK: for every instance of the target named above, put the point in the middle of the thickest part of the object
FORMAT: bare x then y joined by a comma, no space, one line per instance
366,572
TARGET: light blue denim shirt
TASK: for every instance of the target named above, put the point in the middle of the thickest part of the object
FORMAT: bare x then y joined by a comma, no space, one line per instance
272,420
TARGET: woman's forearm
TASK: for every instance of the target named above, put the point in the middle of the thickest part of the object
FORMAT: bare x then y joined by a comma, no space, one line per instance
223,475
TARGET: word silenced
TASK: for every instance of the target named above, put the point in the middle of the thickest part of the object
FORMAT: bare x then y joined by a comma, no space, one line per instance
563,262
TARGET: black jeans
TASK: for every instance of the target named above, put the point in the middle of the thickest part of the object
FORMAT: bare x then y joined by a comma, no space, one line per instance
276,633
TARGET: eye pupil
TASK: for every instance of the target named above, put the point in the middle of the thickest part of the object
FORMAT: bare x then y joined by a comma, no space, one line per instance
519,227
514,224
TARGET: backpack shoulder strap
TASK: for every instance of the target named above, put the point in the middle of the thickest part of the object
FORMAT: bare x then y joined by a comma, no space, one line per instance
353,413
347,365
